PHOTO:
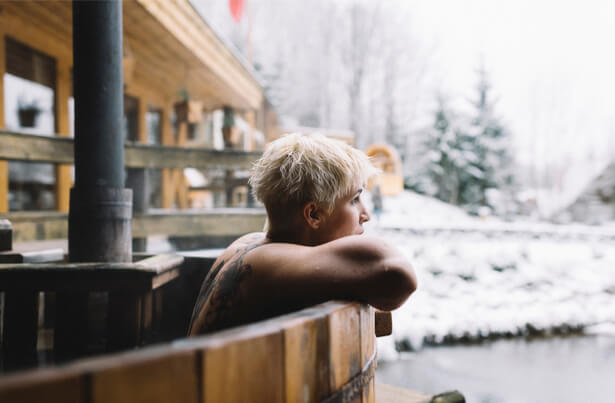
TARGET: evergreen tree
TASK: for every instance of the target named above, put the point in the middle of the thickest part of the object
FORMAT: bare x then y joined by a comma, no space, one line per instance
466,159
488,139
447,163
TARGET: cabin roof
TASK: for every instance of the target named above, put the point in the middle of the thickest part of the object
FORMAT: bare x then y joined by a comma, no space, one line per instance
169,45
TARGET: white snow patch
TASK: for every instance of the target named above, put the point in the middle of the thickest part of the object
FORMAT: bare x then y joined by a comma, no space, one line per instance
474,284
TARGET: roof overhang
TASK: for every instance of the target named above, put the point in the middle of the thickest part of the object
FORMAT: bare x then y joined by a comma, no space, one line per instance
172,48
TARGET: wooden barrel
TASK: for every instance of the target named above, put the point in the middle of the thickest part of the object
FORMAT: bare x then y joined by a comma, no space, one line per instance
321,354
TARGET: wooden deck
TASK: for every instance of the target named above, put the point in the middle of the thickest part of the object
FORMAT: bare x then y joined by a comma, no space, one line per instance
394,394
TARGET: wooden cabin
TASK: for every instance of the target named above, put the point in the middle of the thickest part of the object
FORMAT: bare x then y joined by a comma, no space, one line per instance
178,77
386,158
347,136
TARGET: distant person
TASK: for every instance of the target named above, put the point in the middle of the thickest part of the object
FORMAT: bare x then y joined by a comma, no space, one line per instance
312,249
377,202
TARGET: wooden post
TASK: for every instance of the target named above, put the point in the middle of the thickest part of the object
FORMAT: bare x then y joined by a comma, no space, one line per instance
20,329
228,185
227,130
62,171
71,339
167,174
252,123
173,180
139,178
179,181
142,135
4,165
124,321
6,235
251,119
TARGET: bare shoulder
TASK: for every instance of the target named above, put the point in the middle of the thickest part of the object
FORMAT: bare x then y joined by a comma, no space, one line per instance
220,293
237,250
251,240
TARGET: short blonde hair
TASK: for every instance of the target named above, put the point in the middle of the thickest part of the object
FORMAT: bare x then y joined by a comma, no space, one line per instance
299,168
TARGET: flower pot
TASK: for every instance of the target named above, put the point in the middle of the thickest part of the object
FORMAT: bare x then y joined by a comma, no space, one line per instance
27,117
189,111
232,137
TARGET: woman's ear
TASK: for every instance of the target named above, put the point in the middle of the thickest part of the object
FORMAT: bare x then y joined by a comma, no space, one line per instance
312,215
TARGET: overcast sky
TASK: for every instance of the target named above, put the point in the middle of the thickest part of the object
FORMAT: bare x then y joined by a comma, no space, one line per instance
550,61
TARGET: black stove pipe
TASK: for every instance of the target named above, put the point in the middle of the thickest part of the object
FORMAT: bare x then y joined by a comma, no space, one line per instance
100,207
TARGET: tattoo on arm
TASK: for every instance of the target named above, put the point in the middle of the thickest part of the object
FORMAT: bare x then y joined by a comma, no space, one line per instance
220,292
206,289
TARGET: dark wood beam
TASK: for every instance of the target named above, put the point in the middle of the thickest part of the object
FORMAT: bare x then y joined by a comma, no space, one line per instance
39,226
17,146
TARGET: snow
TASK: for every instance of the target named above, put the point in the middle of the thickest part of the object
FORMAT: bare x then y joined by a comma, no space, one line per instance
488,278
409,209
195,177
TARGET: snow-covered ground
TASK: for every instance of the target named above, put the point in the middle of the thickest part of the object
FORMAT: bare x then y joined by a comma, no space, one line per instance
523,278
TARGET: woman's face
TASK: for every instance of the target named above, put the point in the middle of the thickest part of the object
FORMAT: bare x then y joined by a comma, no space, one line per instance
347,217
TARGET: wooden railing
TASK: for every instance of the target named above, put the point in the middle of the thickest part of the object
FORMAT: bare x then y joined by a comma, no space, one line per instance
219,222
18,146
229,222
49,309
52,311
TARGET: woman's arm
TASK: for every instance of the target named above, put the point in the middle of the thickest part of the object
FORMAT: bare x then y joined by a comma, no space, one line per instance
357,267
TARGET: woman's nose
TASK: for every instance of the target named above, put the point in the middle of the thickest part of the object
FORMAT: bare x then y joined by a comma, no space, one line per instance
364,215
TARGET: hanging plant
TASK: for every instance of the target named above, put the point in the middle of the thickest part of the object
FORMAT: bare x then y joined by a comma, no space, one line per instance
229,117
228,122
27,112
188,110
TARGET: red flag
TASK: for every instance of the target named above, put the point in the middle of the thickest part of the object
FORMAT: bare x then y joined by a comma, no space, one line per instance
236,7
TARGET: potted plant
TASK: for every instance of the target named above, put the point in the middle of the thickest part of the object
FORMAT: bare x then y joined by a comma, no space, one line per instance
228,123
188,110
27,112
